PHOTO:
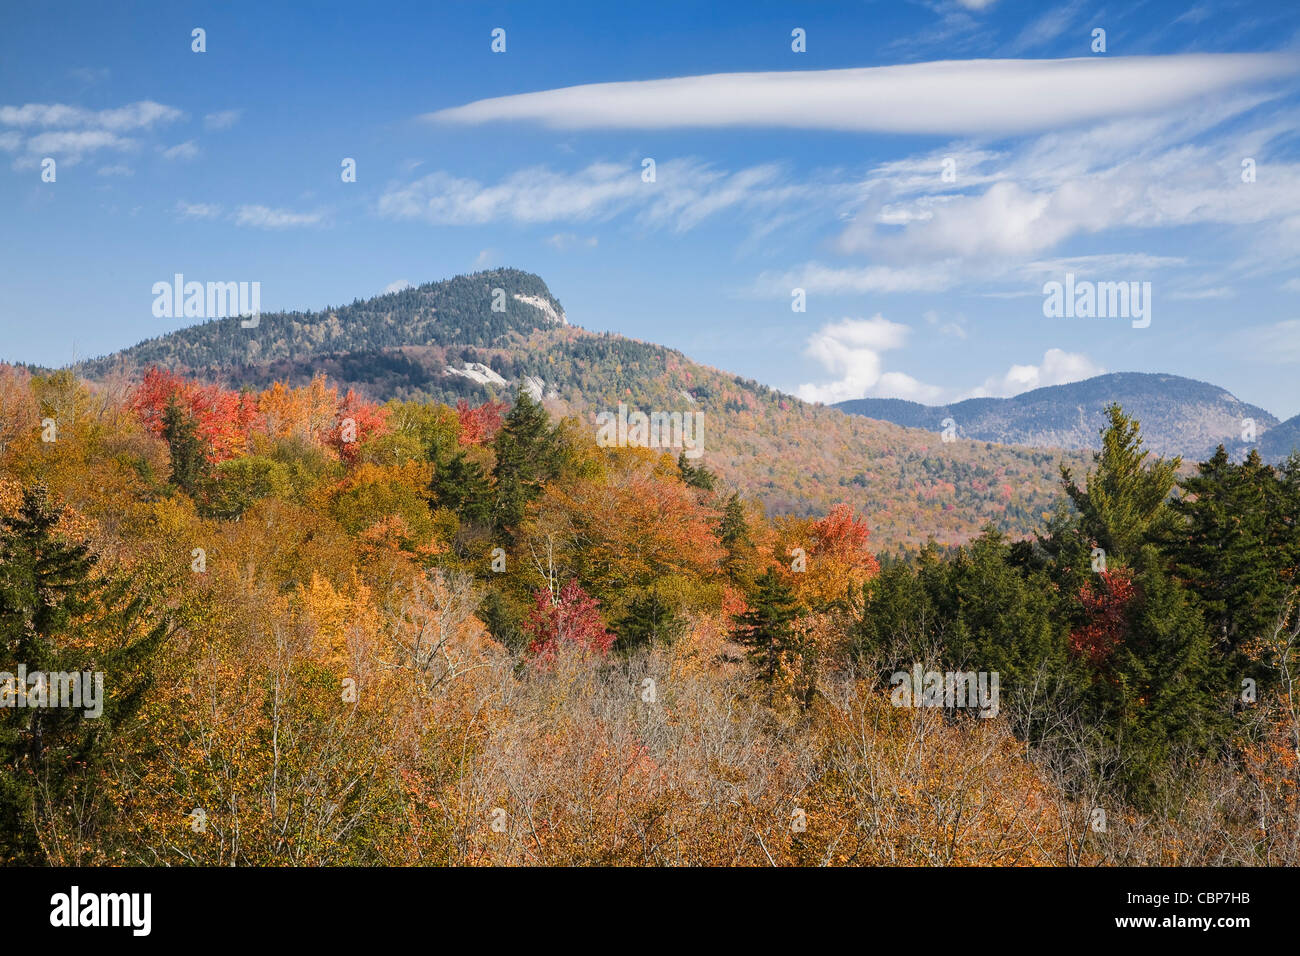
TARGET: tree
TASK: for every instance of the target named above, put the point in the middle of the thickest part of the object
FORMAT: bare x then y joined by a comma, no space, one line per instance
526,455
1124,502
459,484
570,617
697,476
1233,548
58,618
733,533
647,621
187,459
765,629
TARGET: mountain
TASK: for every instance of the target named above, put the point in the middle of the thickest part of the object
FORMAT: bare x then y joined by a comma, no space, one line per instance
1179,416
1280,440
444,341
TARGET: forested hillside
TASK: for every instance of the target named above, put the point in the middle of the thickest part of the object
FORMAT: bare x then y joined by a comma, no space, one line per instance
795,457
332,631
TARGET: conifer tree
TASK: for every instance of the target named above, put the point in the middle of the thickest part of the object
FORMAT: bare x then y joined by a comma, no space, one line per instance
526,455
1124,501
187,459
765,629
57,617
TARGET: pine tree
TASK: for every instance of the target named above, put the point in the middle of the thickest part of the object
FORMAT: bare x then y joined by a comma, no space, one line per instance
765,629
1124,501
459,484
526,455
187,458
647,621
57,616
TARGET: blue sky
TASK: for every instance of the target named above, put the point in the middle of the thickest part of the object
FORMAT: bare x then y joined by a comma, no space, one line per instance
1123,166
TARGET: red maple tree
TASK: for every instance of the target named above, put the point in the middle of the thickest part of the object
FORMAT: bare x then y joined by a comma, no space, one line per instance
1106,608
571,617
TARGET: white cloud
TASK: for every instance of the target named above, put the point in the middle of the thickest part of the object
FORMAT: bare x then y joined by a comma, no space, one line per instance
186,150
133,116
851,349
1058,368
197,210
978,97
68,133
263,217
223,119
564,241
484,258
831,280
685,193
397,286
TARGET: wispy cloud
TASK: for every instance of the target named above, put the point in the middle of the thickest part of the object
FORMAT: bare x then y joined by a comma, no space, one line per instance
952,97
197,210
264,217
684,193
224,119
186,150
69,133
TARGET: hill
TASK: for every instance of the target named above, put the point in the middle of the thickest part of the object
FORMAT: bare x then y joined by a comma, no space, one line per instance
1179,416
443,341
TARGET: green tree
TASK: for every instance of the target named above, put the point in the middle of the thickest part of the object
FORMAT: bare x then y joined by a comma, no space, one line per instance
188,462
58,617
460,484
765,629
648,620
1124,502
527,454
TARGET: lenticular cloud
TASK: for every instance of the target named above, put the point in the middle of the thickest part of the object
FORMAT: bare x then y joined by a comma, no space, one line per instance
945,97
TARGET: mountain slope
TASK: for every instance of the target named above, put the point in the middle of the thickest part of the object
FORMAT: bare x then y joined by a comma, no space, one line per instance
442,341
1179,416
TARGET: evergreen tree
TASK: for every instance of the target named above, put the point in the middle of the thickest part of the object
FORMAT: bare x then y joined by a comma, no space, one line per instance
187,459
647,621
733,533
56,616
1124,501
527,453
765,629
697,476
1233,550
459,484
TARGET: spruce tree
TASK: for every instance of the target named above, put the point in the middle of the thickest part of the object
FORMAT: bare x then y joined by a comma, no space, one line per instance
57,616
459,484
527,454
765,629
1124,501
187,459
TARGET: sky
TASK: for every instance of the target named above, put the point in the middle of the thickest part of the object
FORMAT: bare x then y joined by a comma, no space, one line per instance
922,171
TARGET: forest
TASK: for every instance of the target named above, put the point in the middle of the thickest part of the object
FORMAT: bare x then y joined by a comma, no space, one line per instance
339,632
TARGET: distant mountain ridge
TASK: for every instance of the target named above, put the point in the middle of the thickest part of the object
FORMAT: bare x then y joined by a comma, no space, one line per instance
483,336
1179,416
